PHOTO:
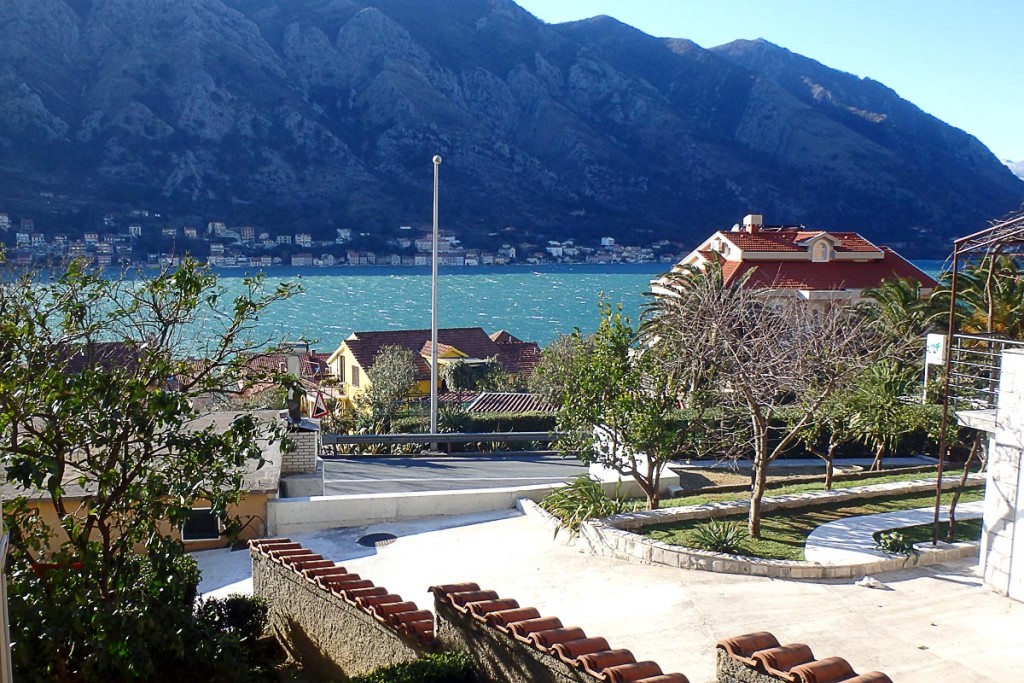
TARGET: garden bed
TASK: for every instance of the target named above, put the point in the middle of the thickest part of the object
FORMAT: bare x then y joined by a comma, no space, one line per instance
615,536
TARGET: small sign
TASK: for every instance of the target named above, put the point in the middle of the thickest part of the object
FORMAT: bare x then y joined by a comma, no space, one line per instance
935,349
319,407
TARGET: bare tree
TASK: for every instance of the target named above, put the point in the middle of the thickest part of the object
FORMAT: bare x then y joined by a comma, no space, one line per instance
757,356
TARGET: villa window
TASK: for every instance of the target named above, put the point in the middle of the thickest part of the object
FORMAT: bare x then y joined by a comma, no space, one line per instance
355,375
821,251
201,525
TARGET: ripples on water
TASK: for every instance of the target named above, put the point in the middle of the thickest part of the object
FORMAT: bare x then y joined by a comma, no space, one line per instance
533,304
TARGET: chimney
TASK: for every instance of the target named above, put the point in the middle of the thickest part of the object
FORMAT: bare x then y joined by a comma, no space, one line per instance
752,222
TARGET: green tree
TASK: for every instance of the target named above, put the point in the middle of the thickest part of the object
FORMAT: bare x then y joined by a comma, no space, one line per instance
901,318
98,417
617,403
990,299
392,378
757,357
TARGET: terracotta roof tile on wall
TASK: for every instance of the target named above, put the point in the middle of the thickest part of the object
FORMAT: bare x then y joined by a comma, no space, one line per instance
387,608
795,662
547,635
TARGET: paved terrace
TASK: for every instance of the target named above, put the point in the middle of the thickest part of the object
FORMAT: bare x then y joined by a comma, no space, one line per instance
934,624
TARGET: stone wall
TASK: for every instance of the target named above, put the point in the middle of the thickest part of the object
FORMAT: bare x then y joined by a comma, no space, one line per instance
1002,540
335,623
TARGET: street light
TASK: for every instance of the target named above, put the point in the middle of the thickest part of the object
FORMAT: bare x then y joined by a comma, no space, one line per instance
433,315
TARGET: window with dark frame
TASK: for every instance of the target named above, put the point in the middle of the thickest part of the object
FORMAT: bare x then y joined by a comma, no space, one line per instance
201,525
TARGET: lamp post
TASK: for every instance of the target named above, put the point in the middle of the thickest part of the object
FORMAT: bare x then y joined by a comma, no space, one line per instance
433,314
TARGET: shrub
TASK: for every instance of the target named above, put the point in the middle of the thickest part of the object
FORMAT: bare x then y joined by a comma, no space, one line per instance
443,667
583,499
242,615
720,537
894,543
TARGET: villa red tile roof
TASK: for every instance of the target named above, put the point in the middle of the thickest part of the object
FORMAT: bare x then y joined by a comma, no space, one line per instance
515,357
789,240
831,275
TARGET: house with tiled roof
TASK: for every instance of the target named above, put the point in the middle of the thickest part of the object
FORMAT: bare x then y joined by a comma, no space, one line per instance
796,262
472,345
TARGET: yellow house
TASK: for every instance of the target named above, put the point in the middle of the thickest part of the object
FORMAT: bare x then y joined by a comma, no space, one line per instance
355,355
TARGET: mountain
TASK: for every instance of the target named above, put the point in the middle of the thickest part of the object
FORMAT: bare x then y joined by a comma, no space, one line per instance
326,113
1016,166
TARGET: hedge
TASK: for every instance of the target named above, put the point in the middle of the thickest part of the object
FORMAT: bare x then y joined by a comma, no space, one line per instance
482,422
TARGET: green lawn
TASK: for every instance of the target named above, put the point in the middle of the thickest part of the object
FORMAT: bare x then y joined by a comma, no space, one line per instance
784,532
966,530
783,489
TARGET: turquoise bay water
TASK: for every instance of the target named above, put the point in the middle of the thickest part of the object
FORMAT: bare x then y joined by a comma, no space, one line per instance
535,303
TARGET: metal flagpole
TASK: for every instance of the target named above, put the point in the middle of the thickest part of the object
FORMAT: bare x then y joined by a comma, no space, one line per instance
433,315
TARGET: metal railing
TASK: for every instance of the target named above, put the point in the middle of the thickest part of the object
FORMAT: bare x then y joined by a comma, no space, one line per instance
975,365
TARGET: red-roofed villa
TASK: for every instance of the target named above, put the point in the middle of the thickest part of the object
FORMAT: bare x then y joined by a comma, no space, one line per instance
814,265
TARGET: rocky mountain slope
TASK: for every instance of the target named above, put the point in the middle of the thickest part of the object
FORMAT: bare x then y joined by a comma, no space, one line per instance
326,113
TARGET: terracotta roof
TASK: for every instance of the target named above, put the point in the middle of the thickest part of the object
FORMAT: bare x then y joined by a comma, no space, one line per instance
495,402
831,275
105,356
515,357
788,239
312,366
503,337
795,662
547,635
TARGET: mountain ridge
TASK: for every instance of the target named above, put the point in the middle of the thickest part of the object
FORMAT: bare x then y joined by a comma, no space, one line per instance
326,114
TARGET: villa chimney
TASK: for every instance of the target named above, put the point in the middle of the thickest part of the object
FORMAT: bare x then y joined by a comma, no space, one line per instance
752,222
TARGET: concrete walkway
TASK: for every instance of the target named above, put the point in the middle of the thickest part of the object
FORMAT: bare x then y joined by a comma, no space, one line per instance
851,540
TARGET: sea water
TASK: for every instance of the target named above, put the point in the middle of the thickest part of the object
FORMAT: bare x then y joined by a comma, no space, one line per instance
535,303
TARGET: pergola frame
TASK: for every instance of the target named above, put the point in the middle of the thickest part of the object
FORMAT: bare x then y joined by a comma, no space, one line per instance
1005,235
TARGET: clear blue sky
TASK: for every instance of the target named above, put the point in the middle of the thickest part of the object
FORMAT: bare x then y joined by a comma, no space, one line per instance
962,61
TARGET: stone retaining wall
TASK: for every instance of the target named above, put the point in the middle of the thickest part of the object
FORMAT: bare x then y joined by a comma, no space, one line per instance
335,623
614,537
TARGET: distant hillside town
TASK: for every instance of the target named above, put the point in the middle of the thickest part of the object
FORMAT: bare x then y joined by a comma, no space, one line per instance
144,238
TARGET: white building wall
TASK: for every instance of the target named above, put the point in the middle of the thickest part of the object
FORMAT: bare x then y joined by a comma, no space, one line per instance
1002,539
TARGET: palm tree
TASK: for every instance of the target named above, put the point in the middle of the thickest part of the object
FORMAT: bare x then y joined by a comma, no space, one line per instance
900,317
990,297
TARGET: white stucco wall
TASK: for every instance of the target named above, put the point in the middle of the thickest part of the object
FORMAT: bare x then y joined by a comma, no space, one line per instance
1002,539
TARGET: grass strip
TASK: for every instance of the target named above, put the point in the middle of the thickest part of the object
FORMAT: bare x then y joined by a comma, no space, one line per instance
781,490
784,532
966,530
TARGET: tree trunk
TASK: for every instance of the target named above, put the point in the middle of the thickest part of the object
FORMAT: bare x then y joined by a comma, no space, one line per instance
876,465
950,533
760,472
829,471
652,484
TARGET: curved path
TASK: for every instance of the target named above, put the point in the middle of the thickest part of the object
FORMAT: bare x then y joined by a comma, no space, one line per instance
851,540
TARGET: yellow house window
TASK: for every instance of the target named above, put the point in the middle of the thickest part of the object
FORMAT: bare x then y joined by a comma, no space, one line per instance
355,375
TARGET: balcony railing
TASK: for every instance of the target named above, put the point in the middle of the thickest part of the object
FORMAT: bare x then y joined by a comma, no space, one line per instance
974,370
